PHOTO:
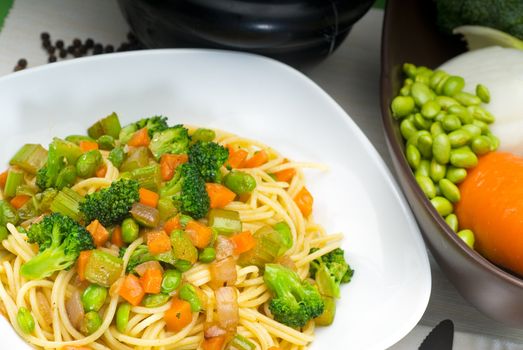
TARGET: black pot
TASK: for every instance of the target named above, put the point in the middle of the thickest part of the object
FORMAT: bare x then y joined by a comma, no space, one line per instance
290,30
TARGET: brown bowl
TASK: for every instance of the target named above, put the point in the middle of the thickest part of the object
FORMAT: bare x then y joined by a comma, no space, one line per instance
410,35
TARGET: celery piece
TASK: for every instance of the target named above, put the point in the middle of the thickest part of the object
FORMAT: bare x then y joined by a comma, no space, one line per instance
109,125
182,246
266,250
8,214
67,202
327,286
225,221
30,158
29,210
76,139
45,199
26,190
329,311
15,178
70,151
136,158
166,208
239,342
103,268
148,177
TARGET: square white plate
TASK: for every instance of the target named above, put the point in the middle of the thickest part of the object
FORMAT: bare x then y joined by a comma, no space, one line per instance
267,101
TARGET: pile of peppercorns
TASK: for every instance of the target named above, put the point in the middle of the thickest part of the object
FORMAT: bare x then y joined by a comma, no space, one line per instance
77,48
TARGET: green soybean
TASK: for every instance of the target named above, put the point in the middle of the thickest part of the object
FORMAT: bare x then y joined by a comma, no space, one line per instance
407,128
402,106
92,321
206,135
441,148
449,190
468,237
462,113
122,316
130,230
421,123
456,175
413,156
188,293
452,221
480,145
405,91
117,156
440,116
483,93
482,125
155,300
451,122
472,129
88,163
430,109
239,182
459,137
182,265
463,158
467,99
437,171
436,78
409,69
453,85
93,297
421,93
443,205
106,142
423,168
171,281
494,141
481,114
427,186
425,145
207,255
436,128
66,177
25,320
408,82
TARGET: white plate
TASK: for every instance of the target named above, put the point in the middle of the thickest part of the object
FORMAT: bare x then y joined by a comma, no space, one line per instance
267,101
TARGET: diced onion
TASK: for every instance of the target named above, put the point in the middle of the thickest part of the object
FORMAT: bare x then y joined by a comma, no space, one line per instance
75,310
223,272
227,308
224,247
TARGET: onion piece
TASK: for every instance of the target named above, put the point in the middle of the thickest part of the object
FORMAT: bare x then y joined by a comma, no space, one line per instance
212,330
227,308
148,265
224,248
44,307
223,272
75,310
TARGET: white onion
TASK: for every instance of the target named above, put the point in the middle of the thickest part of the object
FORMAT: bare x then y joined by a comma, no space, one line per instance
227,308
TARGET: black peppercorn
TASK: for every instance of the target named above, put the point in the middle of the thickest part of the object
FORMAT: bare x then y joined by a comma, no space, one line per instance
52,59
89,43
109,49
45,36
22,62
77,42
62,53
70,49
59,44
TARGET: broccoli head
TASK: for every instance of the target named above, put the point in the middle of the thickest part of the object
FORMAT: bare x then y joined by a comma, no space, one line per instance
187,189
111,205
295,302
330,270
172,140
60,240
208,157
153,124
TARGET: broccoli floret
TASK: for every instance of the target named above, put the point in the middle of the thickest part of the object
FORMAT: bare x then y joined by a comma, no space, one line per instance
187,189
60,240
172,140
330,270
505,15
208,157
295,302
153,124
62,156
111,205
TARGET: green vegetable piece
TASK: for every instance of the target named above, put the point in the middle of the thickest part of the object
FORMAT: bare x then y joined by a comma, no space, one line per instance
138,157
4,233
208,158
446,102
467,99
67,202
66,177
30,158
109,125
409,69
88,163
182,247
103,268
93,297
451,122
472,129
117,156
171,281
459,137
483,93
182,265
92,321
122,317
285,234
441,148
430,109
402,106
421,93
166,208
106,142
202,134
462,113
481,145
482,125
148,177
421,123
427,186
482,114
452,221
8,214
449,190
327,317
271,243
423,169
436,78
436,128
443,205
155,300
239,342
173,140
468,237
76,139
456,175
145,215
413,156
453,85
25,320
188,293
405,91
239,182
153,125
425,145
225,221
407,129
14,179
207,255
130,230
463,158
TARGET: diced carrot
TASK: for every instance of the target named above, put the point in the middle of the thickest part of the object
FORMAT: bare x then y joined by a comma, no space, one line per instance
19,201
219,195
304,201
131,290
82,263
148,197
199,234
285,175
243,242
258,158
214,343
158,242
86,146
140,138
3,179
101,171
71,347
151,281
172,224
98,232
178,316
236,157
116,237
169,163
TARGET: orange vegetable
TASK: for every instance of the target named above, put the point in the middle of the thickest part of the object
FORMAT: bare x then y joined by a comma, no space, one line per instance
285,175
236,157
99,233
199,234
116,237
3,179
158,242
178,316
86,146
491,206
304,201
131,290
172,224
243,242
19,201
101,171
140,138
148,197
151,281
82,263
219,195
258,158
214,343
169,163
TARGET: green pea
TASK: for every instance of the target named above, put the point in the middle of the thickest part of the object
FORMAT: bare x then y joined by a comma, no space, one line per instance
437,170
409,69
88,163
467,99
171,281
436,128
468,237
239,182
463,158
472,129
425,146
206,135
413,156
441,148
456,175
453,85
106,142
480,145
122,316
459,137
451,122
130,230
430,109
436,78
155,300
449,190
483,93
494,141
442,205
482,114
207,255
117,156
452,221
439,117
407,128
25,320
92,321
402,106
427,186
462,113
421,93
93,297
182,265
423,168
420,122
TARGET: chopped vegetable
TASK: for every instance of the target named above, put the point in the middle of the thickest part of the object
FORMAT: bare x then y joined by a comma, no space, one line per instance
103,268
227,308
155,300
122,317
258,159
304,201
151,281
137,157
173,140
223,272
285,175
271,243
202,134
130,230
166,208
140,138
182,246
158,242
131,290
214,343
86,146
199,234
219,195
117,156
88,163
102,170
98,232
67,202
3,179
25,320
148,197
62,154
153,124
243,242
14,179
169,163
148,177
83,258
327,317
239,182
208,157
93,297
239,342
116,237
236,157
109,125
225,221
330,270
178,316
172,224
145,215
188,293
30,158
18,201
171,281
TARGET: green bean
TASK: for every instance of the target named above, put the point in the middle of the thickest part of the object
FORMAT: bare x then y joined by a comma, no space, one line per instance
452,221
451,122
155,300
456,175
423,168
207,255
467,99
407,128
436,129
421,93
442,205
402,106
93,297
25,320
459,137
88,163
427,186
430,109
413,156
130,230
409,69
472,129
480,145
202,134
239,182
188,293
437,171
106,142
468,237
453,85
421,123
483,93
171,281
436,78
92,321
449,190
481,114
463,158
463,114
122,317
425,145
441,148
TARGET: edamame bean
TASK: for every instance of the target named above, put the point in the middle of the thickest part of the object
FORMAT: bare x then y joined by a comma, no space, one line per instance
423,168
402,106
130,230
481,114
449,190
437,171
483,93
468,237
66,177
207,135
462,113
452,221
92,321
207,255
117,156
25,320
427,186
456,175
405,91
420,93
188,293
93,297
155,300
459,137
480,145
453,85
413,156
88,163
436,77
463,158
421,123
467,99
442,205
407,128
408,82
472,129
430,109
494,141
106,142
409,69
441,148
171,281
439,117
425,145
446,102
436,129
441,84
451,122
122,317
239,182
182,265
